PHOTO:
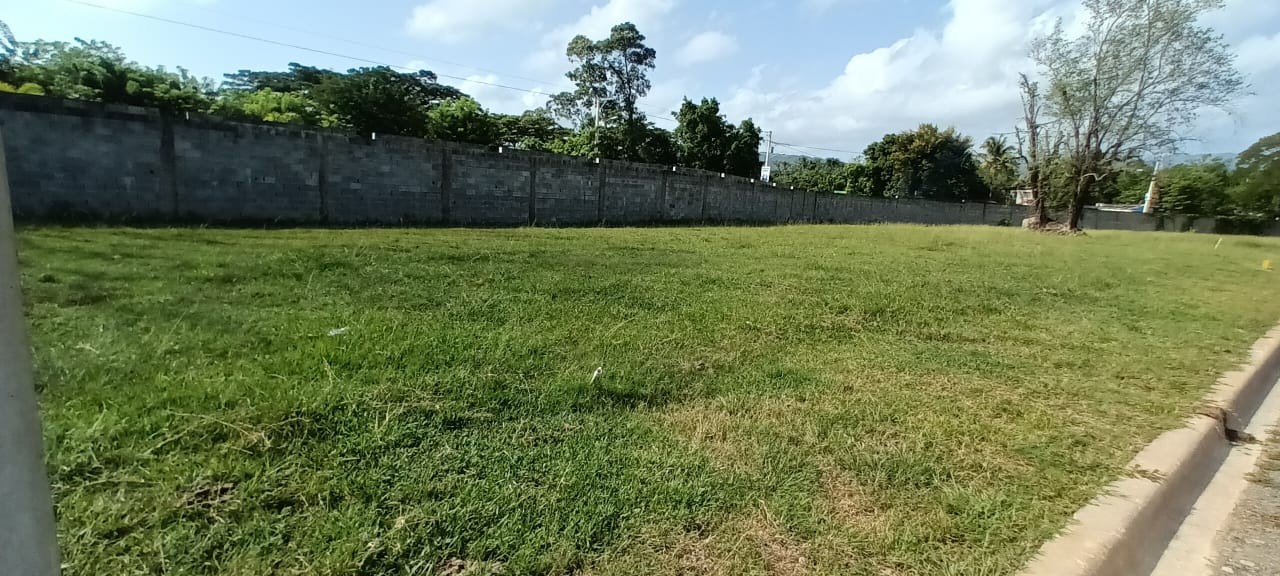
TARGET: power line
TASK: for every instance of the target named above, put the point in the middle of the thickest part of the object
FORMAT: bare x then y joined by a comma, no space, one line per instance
294,46
328,36
817,148
336,54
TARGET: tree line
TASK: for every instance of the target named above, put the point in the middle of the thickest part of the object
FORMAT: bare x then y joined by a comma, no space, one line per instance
600,117
1103,104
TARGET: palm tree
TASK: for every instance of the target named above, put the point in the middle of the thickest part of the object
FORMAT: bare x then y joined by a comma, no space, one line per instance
999,165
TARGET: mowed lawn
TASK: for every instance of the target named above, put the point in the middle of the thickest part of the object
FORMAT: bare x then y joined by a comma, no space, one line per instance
875,400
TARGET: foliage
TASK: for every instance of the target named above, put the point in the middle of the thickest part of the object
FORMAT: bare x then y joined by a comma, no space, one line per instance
268,105
705,140
463,120
30,88
94,70
383,100
829,175
1258,176
1200,189
702,135
532,130
1141,71
743,158
610,76
999,167
797,384
926,163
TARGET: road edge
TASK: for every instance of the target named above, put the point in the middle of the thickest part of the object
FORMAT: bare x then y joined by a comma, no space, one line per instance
1125,530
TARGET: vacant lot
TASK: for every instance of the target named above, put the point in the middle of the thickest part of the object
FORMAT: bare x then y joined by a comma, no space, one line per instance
799,400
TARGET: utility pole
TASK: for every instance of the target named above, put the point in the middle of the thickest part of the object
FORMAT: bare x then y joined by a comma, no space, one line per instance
28,537
598,155
767,173
1152,201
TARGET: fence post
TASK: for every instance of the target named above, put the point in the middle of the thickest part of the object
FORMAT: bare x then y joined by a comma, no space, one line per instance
602,176
533,190
169,166
28,537
446,169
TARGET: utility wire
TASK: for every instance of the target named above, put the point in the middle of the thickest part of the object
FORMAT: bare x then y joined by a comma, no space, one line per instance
360,43
294,46
381,63
331,53
776,143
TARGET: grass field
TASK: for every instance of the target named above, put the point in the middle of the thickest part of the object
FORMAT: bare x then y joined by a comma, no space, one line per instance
874,400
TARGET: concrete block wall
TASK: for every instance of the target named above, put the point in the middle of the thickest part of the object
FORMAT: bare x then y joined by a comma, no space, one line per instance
387,180
566,191
70,159
77,159
235,172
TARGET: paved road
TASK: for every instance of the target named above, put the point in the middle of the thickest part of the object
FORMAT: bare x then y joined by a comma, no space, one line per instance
1251,544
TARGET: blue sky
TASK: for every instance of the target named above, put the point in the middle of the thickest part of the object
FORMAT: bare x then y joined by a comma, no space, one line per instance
832,74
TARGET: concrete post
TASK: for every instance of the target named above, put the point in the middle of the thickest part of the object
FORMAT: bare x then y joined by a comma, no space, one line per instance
533,190
28,538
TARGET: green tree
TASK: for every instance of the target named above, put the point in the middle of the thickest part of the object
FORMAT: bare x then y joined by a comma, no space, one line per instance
743,157
1140,72
97,71
28,88
532,130
462,120
829,175
297,78
271,106
1258,177
925,163
383,100
705,140
610,76
1200,189
702,135
999,167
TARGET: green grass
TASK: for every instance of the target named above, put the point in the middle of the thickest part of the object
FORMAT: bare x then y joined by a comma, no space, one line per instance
796,400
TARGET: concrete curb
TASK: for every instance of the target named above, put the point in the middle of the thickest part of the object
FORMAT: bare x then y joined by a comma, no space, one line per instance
1125,531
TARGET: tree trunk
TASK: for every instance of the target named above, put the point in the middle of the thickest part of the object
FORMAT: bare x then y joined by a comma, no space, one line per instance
1079,199
1037,197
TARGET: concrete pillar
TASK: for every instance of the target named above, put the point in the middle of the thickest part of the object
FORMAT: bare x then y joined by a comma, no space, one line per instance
28,538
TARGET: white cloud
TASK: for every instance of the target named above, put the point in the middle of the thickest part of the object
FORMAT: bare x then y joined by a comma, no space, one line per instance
965,75
487,90
707,47
647,15
458,20
1258,54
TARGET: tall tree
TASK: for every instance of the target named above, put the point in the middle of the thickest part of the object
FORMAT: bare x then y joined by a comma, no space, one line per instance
267,105
702,135
1142,70
743,157
532,130
1258,174
97,71
999,166
611,76
383,100
462,120
926,163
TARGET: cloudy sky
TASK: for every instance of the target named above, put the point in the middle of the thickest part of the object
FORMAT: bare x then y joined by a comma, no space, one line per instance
833,74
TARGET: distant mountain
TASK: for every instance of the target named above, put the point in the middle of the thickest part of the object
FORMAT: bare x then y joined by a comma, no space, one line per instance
780,159
1226,158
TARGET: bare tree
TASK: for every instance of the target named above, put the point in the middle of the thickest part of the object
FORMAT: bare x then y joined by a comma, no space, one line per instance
1029,143
1142,70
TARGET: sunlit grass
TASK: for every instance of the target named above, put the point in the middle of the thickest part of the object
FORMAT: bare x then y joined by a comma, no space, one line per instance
812,399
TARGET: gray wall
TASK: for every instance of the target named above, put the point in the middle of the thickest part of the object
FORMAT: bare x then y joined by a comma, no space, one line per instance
70,159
